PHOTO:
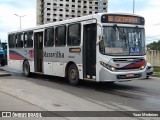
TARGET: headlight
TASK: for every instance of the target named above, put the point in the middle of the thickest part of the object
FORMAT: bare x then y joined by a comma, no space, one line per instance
142,67
109,67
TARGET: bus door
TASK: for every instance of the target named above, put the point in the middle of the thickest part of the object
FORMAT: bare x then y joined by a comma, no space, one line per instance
89,50
38,51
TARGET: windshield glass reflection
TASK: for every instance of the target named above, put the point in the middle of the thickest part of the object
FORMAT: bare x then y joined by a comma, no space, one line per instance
123,41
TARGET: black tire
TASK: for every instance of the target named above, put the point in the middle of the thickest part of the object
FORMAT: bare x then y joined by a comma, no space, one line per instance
73,74
3,62
26,69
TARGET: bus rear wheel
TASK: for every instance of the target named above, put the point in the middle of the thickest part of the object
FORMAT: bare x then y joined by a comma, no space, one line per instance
26,68
73,74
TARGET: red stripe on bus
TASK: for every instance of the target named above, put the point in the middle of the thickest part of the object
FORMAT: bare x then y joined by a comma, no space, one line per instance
136,65
15,57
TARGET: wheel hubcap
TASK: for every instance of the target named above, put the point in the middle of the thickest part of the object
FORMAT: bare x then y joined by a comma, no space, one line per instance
73,74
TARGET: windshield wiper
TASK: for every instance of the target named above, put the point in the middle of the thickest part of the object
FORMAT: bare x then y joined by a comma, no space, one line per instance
123,36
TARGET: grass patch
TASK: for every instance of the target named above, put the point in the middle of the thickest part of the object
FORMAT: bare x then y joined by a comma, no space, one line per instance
156,69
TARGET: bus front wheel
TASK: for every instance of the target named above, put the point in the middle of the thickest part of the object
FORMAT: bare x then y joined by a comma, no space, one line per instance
26,69
73,74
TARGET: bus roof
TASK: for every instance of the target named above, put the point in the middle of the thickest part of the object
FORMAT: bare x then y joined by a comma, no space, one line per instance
77,19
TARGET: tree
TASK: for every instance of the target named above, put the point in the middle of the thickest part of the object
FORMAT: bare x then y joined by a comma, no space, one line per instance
154,46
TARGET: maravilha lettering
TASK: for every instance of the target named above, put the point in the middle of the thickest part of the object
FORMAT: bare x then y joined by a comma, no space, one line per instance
55,55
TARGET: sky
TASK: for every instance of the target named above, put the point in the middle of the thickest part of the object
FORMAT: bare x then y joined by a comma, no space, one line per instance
149,9
10,22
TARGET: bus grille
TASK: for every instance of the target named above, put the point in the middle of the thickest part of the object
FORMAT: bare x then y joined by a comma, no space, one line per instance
128,68
124,60
133,63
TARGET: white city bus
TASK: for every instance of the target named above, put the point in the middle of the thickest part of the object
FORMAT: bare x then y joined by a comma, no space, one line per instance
102,47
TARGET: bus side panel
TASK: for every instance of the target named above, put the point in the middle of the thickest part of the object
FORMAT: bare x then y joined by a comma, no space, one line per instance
16,64
58,69
48,66
57,58
31,63
54,68
16,58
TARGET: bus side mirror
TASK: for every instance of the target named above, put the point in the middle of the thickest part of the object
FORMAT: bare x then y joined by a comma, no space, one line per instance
99,29
99,33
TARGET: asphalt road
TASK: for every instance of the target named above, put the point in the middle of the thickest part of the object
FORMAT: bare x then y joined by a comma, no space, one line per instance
143,95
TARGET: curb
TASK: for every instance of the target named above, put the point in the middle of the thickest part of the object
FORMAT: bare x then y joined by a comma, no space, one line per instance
4,73
155,75
11,71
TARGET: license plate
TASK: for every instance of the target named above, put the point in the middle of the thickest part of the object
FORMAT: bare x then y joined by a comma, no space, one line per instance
130,75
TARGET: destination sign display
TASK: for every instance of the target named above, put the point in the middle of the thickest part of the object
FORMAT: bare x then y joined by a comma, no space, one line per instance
124,19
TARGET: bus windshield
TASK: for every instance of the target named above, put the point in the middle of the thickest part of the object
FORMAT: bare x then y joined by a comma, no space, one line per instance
123,41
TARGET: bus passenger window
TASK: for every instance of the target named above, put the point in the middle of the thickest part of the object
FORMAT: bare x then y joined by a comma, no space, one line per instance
74,33
28,39
16,40
60,36
19,40
25,40
49,37
11,41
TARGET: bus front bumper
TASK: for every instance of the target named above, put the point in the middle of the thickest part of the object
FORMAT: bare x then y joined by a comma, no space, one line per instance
108,76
